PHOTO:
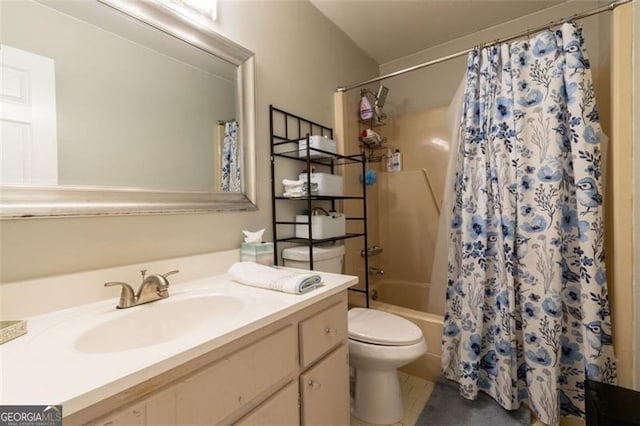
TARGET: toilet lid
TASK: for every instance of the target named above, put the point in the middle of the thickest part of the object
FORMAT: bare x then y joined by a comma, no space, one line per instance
382,328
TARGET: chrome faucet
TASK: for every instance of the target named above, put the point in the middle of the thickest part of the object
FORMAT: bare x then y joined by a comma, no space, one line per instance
153,287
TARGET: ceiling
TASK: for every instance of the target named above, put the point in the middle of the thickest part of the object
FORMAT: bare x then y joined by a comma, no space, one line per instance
390,29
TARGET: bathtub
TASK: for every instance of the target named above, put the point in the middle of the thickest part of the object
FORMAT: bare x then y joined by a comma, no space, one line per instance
402,293
409,300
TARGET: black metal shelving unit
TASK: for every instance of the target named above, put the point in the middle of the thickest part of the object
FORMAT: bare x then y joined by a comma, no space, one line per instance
286,131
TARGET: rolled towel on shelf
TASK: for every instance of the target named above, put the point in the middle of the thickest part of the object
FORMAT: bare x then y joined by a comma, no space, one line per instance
256,275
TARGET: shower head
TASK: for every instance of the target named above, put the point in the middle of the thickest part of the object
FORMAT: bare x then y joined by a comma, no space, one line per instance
381,96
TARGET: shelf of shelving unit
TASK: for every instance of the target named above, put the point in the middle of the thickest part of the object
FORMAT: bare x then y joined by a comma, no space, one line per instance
285,146
371,155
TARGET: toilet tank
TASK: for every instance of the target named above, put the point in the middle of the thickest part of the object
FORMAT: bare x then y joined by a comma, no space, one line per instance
325,259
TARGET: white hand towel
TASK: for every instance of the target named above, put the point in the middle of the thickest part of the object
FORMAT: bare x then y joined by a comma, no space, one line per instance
256,275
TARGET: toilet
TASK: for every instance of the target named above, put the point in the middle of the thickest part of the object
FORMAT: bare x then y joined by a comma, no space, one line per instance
379,344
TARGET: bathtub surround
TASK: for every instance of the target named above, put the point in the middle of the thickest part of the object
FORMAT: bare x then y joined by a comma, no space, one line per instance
527,316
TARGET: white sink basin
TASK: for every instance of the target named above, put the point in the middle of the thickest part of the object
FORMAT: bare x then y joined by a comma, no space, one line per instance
158,322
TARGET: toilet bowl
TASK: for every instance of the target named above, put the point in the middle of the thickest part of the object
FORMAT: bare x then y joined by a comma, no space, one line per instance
380,343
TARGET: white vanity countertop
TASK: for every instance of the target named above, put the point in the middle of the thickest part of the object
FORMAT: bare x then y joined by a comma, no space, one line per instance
59,361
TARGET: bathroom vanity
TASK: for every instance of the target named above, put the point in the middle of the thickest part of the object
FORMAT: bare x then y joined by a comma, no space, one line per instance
270,358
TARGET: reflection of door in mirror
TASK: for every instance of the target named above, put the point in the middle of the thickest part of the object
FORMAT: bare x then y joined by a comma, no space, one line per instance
28,148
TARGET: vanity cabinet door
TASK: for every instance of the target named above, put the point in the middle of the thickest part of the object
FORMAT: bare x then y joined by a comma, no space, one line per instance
324,390
322,332
131,416
161,408
210,396
282,409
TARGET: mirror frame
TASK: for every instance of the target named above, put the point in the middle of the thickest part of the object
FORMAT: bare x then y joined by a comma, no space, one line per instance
71,201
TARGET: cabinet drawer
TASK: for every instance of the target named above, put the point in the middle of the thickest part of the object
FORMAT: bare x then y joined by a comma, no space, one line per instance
281,409
324,391
322,332
226,386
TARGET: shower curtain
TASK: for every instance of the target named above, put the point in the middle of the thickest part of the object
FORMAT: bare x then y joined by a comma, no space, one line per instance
230,168
527,316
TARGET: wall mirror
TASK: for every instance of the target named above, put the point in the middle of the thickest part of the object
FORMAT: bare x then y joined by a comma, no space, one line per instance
121,107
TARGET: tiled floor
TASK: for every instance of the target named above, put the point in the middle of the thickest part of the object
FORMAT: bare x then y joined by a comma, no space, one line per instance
415,393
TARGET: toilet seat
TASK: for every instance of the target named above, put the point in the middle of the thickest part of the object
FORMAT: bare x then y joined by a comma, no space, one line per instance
382,328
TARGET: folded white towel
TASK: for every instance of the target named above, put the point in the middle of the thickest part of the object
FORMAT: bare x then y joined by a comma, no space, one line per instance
289,182
294,194
256,275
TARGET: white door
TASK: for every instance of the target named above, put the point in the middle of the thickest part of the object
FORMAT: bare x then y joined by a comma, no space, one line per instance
28,144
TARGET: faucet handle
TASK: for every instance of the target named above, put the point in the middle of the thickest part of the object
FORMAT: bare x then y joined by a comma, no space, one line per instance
127,297
170,273
164,283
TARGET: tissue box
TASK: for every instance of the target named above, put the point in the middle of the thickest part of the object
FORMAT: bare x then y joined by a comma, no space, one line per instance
328,184
321,226
261,253
317,142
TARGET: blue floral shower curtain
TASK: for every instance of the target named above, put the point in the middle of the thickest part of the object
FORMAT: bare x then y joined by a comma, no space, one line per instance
231,168
527,315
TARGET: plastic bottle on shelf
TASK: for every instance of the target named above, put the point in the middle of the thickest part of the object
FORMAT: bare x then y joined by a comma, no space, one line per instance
366,112
389,160
396,161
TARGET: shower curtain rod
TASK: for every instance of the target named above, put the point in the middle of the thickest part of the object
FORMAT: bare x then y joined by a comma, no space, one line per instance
577,16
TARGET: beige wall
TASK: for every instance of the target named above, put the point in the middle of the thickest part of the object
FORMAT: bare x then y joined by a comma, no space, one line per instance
300,59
